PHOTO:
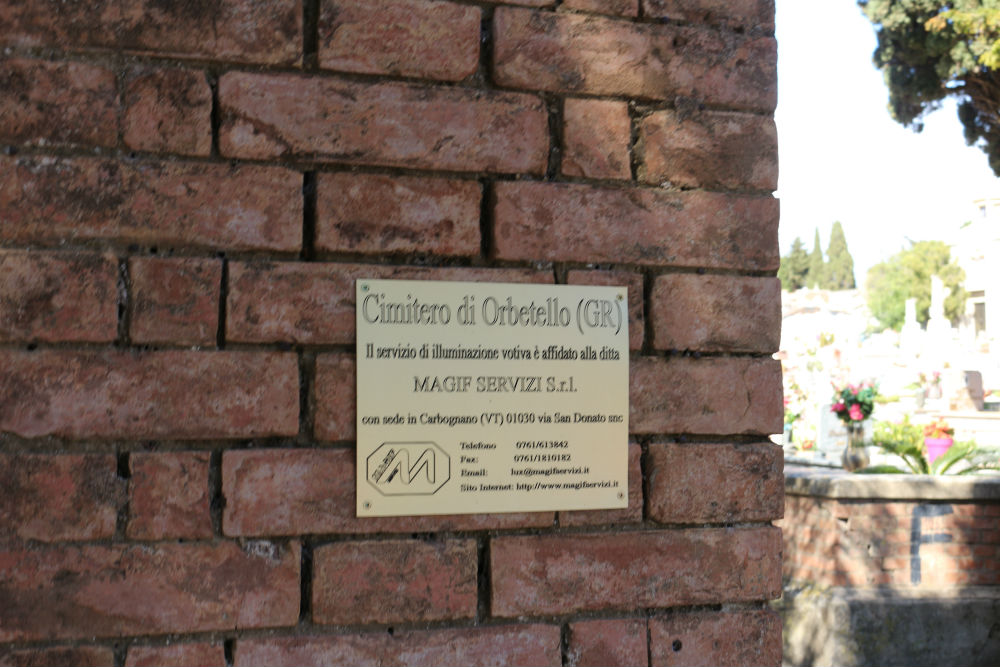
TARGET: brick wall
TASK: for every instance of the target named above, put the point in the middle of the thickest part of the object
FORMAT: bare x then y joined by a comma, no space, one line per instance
188,192
943,534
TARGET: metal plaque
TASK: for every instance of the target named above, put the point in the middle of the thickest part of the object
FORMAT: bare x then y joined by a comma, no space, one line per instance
490,397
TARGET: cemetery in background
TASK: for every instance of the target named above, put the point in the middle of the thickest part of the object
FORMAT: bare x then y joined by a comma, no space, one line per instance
886,568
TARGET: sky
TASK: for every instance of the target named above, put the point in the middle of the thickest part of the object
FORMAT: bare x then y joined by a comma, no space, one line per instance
841,156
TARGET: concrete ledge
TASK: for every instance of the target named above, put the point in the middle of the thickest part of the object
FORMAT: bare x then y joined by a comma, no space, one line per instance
836,483
855,628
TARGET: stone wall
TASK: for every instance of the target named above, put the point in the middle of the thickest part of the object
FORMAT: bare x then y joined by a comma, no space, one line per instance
188,192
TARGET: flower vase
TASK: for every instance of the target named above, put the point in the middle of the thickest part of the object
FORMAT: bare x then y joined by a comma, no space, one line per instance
855,454
936,447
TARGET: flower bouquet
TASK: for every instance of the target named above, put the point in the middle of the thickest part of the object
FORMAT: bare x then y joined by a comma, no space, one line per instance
854,403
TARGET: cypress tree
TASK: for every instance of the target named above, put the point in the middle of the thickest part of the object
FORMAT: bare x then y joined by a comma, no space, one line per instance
839,272
794,267
814,276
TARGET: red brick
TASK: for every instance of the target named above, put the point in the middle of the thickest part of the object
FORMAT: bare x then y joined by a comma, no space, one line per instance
167,110
51,498
107,591
419,38
204,654
395,124
168,394
556,574
56,200
716,638
169,496
710,396
503,645
709,149
630,514
374,213
313,491
751,15
58,656
336,397
715,483
254,31
596,138
716,313
56,297
61,103
313,302
175,300
394,581
636,297
584,223
607,643
576,53
613,7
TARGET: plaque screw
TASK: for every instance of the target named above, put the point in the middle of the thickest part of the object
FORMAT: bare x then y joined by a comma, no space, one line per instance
367,505
621,298
364,288
620,495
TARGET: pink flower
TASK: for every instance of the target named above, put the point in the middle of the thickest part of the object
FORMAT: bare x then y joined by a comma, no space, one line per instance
855,413
837,407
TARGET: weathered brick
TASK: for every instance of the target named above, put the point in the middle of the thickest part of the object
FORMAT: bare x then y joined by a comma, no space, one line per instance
205,654
716,313
395,124
61,103
551,574
59,200
169,496
596,138
394,581
419,38
255,31
56,297
167,110
51,498
107,591
374,213
167,394
607,642
313,491
711,396
175,300
503,645
630,514
715,483
751,15
584,223
576,53
708,149
636,297
336,397
716,638
313,302
613,7
58,656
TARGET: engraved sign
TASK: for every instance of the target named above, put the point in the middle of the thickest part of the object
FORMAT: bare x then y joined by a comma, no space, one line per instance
490,397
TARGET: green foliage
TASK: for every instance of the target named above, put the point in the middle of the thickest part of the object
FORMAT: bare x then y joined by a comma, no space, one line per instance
929,50
839,272
906,275
906,441
817,267
794,267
